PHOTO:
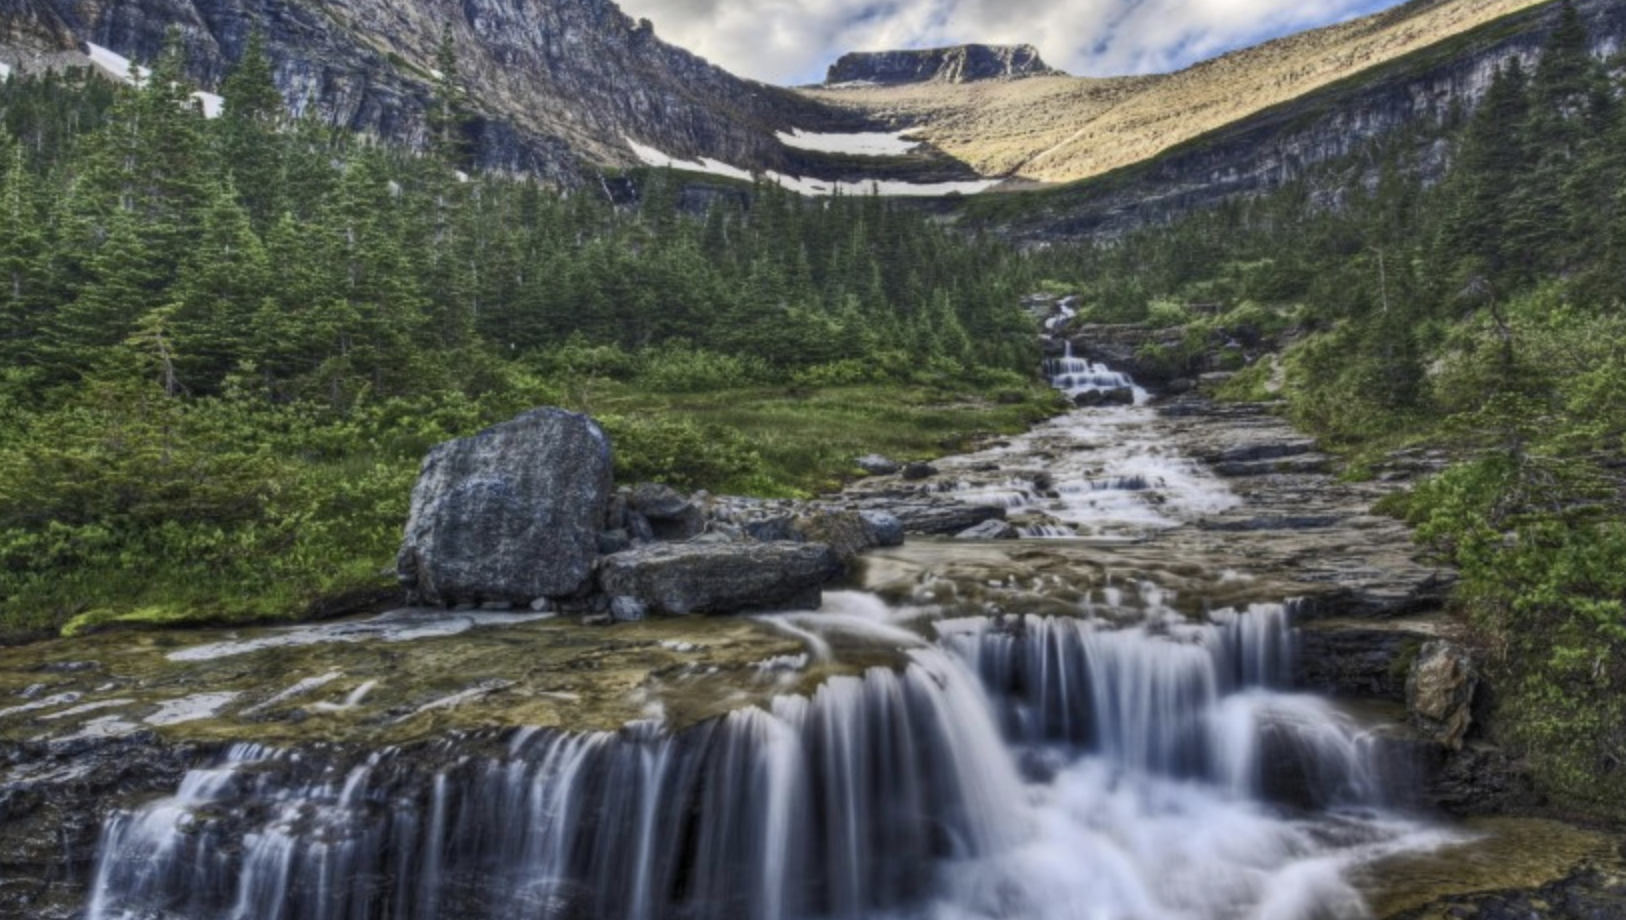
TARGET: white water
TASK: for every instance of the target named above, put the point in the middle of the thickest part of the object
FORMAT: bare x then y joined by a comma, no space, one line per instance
1016,768
1111,474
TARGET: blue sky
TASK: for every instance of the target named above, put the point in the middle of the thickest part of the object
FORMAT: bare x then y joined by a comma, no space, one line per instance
786,42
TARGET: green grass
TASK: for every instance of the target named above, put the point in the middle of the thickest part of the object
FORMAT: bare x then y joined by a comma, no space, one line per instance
332,504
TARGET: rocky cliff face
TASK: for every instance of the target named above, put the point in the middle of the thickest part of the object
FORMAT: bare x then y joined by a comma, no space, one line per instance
960,64
1260,154
556,84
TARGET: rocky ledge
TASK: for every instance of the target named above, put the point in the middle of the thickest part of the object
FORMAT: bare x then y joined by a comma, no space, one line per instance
958,64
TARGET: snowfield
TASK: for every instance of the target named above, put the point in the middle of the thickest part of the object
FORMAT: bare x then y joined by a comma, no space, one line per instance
651,156
869,144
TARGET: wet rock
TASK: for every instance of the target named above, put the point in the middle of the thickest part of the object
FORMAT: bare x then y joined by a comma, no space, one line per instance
885,529
846,532
1262,450
877,465
780,527
1117,396
682,578
671,514
1313,463
918,470
989,530
1478,779
1440,692
1352,660
53,801
940,516
512,513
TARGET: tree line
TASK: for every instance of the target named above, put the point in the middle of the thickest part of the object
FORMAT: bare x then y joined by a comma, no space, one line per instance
225,342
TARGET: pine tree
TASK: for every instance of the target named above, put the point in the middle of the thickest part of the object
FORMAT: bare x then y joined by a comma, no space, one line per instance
219,290
448,112
1485,234
252,115
22,255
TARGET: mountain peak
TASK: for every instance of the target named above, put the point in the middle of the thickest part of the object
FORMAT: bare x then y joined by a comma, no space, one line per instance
956,64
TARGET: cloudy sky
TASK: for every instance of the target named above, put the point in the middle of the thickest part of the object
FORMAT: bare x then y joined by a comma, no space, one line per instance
790,42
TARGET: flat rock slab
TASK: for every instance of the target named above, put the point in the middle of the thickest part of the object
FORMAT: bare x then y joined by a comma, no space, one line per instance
681,578
510,514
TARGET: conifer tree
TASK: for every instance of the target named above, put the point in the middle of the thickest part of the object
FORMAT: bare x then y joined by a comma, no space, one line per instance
252,114
448,113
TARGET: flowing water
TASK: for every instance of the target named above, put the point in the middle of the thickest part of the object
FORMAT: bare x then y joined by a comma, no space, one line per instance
1122,761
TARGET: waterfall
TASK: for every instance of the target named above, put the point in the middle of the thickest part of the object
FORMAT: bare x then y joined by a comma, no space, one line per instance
886,792
832,805
1076,375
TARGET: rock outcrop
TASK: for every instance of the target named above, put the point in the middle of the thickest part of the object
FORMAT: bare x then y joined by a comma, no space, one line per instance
685,578
555,87
511,514
958,64
1440,692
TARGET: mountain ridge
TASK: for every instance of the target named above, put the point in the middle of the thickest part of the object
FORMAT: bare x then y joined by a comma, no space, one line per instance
967,63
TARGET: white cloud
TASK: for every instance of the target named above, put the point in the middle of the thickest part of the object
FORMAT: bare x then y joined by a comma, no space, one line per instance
781,41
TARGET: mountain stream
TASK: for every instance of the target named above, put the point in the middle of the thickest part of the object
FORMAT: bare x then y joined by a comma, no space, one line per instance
1096,721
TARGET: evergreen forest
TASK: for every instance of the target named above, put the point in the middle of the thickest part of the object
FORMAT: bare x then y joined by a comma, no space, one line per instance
225,344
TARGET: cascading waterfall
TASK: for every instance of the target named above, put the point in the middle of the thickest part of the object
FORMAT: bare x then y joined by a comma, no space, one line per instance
898,793
1077,375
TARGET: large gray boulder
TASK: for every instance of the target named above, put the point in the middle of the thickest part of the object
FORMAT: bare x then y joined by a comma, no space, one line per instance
510,514
679,578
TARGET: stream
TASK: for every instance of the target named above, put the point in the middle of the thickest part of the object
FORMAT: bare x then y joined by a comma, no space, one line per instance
1103,718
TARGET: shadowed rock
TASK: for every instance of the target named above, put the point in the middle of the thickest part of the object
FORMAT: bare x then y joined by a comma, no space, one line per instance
510,514
679,578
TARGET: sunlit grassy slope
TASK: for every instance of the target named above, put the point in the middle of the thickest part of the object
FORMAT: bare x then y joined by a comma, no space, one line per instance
1061,129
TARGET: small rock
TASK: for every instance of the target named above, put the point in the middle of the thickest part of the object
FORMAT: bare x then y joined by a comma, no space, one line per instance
918,470
877,465
542,605
846,532
627,609
886,529
771,529
670,514
1440,692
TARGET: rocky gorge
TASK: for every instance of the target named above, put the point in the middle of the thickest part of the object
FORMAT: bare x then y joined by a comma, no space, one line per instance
1141,611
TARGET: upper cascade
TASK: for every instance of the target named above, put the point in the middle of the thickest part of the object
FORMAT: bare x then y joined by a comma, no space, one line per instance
958,64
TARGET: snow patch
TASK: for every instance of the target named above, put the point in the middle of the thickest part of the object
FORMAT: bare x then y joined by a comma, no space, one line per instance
119,68
213,105
116,65
651,156
867,144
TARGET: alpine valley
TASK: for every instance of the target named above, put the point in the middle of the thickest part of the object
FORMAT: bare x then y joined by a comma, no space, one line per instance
476,459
